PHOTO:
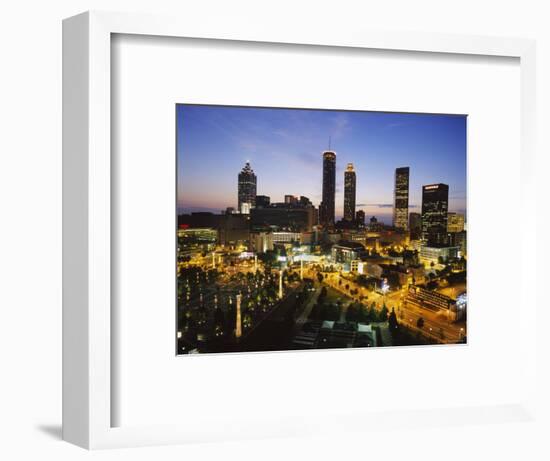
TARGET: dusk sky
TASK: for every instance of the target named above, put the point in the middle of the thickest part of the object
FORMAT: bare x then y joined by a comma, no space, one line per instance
284,148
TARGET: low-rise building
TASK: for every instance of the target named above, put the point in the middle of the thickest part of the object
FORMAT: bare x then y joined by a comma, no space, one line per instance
459,239
333,237
287,237
428,299
346,252
418,274
415,245
354,265
309,238
262,242
429,254
198,235
374,270
455,222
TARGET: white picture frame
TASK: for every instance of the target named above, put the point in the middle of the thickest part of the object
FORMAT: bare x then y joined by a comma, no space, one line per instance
87,360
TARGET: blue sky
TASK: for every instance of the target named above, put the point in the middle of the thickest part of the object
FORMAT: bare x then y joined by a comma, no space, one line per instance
284,147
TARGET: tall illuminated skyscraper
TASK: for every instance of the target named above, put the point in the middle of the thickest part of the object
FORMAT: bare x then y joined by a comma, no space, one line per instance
349,193
246,189
401,198
435,204
326,211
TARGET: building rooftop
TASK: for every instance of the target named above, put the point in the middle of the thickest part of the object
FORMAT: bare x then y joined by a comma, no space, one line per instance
350,245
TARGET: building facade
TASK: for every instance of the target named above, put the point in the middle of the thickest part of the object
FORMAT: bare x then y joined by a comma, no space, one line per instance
326,211
234,229
422,298
401,198
415,225
262,200
262,241
304,201
455,222
246,189
435,205
438,254
349,193
345,252
282,216
287,237
459,239
360,218
291,199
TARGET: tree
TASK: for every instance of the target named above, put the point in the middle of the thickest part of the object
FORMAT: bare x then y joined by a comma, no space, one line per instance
420,322
362,313
353,314
332,312
384,314
393,280
247,321
320,277
372,315
392,321
432,285
316,312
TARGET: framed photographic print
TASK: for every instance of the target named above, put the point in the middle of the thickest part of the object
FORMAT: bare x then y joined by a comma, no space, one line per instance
256,220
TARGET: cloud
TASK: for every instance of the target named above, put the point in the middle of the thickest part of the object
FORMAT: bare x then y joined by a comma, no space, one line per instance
376,205
382,205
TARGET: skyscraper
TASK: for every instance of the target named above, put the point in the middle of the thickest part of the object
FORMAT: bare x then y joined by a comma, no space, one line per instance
262,200
360,218
291,199
435,203
415,225
401,198
349,193
246,189
326,212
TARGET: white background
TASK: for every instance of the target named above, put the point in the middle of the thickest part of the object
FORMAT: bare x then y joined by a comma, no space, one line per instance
301,385
30,296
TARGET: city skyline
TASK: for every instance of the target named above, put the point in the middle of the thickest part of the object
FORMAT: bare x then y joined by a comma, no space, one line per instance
274,248
285,148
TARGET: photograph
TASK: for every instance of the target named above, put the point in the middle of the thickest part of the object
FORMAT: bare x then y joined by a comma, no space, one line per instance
302,229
